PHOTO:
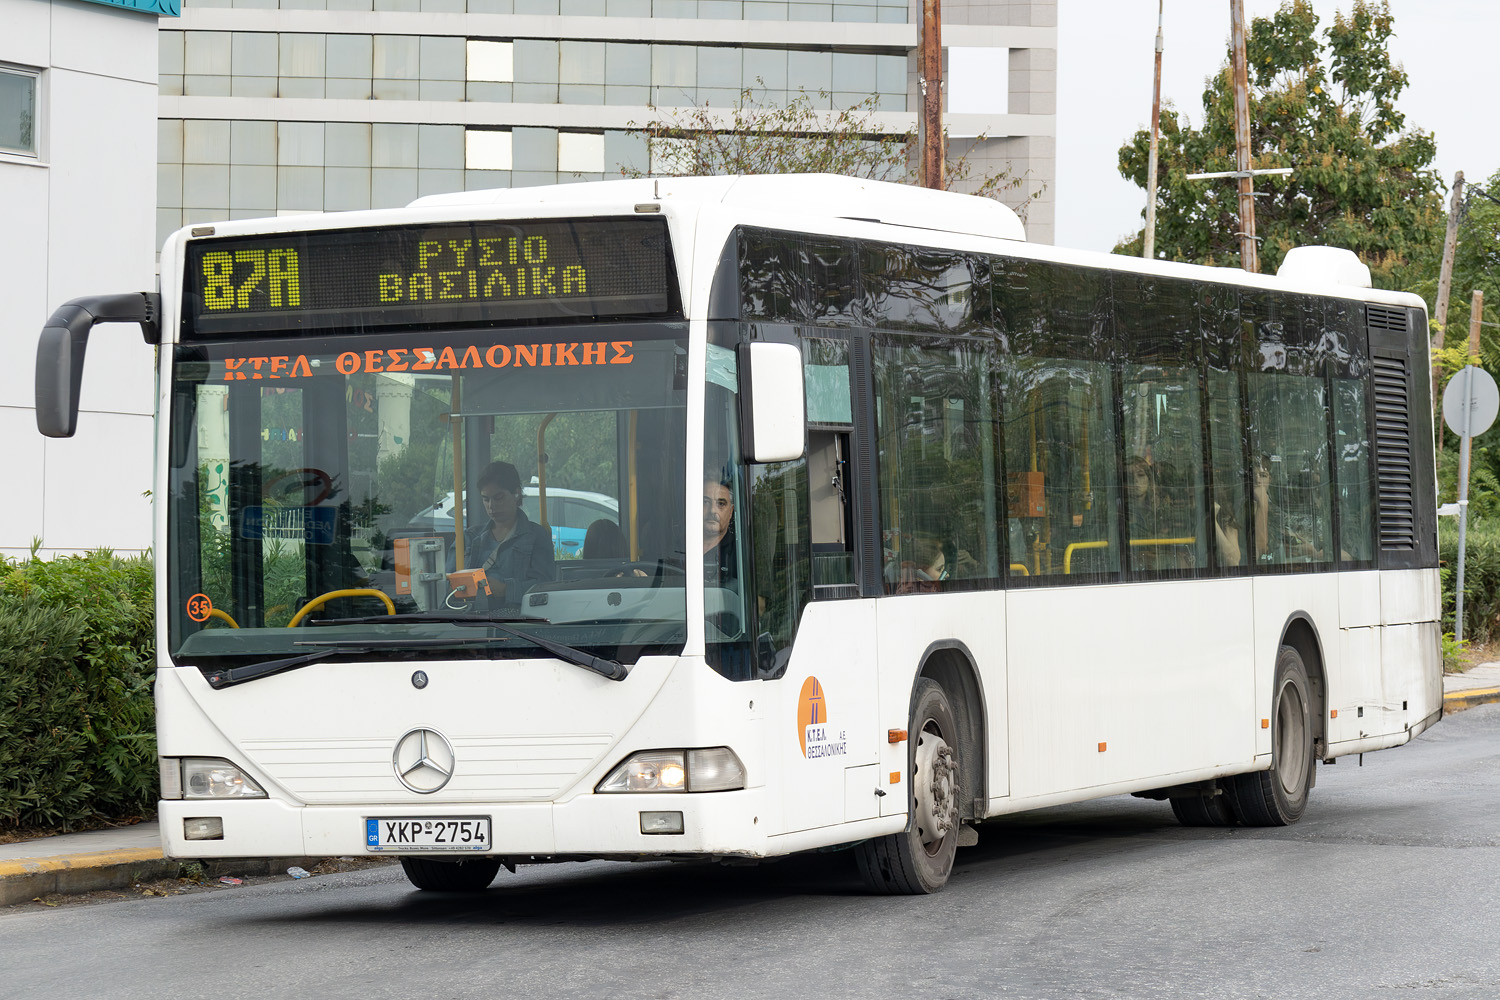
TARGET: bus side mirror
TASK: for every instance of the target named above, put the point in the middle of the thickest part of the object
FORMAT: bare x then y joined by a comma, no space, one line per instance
774,423
60,351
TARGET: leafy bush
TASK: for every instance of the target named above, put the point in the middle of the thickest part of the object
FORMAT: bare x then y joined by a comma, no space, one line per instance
1481,577
77,724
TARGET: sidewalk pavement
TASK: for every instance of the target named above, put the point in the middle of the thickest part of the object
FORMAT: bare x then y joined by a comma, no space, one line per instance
109,859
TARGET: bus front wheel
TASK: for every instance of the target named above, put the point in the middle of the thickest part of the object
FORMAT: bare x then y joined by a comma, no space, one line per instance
919,859
468,875
1279,796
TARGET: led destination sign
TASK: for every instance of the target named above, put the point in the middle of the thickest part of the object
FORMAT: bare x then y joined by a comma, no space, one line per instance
503,272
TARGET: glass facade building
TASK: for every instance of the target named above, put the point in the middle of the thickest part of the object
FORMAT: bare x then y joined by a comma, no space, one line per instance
336,105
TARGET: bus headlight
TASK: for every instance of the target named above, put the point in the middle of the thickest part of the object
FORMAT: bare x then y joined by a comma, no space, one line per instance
213,778
714,769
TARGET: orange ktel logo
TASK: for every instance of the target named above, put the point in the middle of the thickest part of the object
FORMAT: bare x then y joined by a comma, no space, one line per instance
818,739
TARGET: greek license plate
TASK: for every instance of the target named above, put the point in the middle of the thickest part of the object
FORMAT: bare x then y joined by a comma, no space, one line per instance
428,833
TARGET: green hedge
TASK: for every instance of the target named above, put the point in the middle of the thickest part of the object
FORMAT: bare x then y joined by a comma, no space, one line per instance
1481,577
77,723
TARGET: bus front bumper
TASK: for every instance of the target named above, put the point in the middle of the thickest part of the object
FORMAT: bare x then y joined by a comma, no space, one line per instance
713,824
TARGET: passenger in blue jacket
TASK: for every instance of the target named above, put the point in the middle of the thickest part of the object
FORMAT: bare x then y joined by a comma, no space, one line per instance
514,551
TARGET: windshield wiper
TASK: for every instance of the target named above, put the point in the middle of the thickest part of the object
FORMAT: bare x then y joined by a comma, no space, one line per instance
612,669
254,671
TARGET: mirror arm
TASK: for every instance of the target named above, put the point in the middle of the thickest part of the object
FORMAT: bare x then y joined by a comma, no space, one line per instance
64,340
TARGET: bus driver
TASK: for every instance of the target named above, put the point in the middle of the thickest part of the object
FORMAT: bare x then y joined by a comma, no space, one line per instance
719,566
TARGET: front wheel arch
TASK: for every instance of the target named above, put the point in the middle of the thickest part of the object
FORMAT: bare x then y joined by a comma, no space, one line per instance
950,663
1301,634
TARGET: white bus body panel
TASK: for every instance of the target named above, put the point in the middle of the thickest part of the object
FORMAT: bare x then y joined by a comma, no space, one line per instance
1121,683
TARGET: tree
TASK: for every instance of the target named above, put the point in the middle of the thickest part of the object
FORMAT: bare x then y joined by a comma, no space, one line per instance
798,138
1328,110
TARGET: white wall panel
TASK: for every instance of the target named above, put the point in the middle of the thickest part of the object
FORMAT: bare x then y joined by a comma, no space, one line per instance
102,209
94,484
27,36
109,41
20,505
23,262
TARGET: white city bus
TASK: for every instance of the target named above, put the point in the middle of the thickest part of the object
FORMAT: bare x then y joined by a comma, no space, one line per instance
913,524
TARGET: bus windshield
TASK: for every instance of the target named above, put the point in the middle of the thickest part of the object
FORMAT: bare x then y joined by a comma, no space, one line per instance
532,475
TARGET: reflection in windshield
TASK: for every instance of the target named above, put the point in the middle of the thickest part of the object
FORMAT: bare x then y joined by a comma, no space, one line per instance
520,473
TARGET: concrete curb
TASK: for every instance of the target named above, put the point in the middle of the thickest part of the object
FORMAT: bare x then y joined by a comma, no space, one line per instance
1457,701
23,879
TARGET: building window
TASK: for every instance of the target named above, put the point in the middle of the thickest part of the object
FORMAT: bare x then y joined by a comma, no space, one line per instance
486,149
491,61
18,110
580,152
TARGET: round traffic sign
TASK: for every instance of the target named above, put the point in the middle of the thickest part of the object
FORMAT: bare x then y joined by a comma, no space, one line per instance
1472,389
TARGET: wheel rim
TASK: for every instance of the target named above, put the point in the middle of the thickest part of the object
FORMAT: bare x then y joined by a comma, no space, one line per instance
1291,739
935,783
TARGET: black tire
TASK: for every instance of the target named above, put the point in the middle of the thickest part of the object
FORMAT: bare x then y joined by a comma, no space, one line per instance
468,875
919,859
1203,810
1278,797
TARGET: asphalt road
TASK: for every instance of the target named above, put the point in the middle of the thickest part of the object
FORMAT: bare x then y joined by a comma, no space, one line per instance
1387,888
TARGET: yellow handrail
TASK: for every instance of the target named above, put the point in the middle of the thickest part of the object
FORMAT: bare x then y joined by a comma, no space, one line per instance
216,613
322,599
541,470
1021,567
455,422
1068,552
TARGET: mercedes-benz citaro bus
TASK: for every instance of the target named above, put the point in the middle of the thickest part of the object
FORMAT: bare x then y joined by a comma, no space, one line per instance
915,524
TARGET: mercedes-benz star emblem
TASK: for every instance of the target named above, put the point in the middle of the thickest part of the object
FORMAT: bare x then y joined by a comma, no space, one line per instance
423,760
419,679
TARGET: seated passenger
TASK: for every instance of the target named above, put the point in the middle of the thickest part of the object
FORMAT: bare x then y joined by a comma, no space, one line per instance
605,540
514,551
1226,529
923,571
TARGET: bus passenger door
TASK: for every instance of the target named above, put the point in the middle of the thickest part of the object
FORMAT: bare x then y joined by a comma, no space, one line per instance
829,694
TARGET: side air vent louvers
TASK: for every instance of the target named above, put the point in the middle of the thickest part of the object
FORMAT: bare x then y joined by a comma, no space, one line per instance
1393,453
1385,318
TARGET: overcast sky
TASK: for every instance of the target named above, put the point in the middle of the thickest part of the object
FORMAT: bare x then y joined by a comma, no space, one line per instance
1105,53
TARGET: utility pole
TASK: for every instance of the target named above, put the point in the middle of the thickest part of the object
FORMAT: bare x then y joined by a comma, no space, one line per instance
1445,277
1249,255
1148,248
1476,320
933,156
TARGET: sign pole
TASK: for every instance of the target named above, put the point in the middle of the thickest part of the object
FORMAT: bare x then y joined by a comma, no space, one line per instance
1463,502
1470,404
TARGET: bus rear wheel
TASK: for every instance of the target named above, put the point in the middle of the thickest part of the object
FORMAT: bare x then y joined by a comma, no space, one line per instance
1203,810
1278,797
468,875
919,859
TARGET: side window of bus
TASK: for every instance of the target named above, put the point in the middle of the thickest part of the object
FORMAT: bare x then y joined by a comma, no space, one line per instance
1062,476
1225,345
935,433
1163,421
1062,480
1348,352
831,473
752,597
1229,503
1352,464
1291,491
